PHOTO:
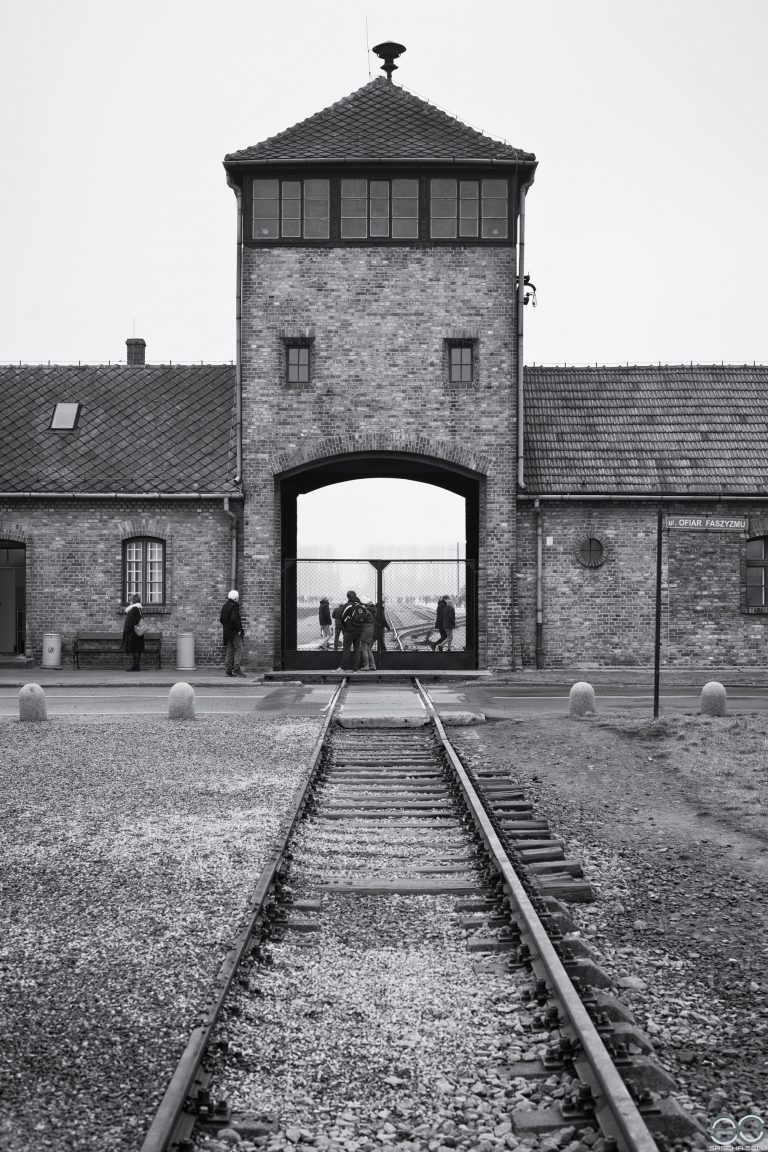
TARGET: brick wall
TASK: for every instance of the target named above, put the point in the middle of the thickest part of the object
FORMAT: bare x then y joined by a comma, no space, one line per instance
378,319
606,615
74,567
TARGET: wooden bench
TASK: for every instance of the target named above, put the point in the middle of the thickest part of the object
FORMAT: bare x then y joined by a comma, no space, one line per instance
108,644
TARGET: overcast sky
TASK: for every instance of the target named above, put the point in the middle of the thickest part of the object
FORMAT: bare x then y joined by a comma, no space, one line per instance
647,227
391,518
647,231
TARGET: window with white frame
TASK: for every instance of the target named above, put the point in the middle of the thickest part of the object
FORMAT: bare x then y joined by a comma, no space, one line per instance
757,564
144,570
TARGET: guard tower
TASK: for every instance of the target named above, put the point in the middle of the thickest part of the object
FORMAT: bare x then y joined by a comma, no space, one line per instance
379,334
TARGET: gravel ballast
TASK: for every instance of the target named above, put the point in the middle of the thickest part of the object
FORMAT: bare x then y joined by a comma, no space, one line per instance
381,1029
668,818
129,852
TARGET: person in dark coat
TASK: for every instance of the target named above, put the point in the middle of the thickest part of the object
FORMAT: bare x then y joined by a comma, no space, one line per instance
383,624
324,612
352,629
367,637
448,623
336,615
439,625
131,642
233,634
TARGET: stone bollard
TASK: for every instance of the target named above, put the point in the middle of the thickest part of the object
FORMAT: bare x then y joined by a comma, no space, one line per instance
581,699
713,698
32,703
181,702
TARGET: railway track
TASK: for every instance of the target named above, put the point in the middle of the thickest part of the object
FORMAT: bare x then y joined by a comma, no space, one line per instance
407,974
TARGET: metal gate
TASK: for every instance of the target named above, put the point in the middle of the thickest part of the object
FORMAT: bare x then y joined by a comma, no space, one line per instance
404,595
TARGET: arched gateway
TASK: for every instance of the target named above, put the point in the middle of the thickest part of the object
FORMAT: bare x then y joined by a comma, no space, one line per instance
379,336
405,589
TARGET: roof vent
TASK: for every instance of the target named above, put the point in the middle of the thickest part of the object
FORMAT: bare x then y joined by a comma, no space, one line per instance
136,349
389,52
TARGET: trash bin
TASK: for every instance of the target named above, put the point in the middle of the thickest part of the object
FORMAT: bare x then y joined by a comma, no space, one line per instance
185,651
51,650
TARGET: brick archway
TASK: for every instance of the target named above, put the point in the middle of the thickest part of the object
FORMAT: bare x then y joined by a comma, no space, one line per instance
13,533
427,449
353,457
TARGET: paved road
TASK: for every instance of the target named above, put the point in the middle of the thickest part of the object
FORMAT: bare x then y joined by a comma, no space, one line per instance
150,701
312,700
551,700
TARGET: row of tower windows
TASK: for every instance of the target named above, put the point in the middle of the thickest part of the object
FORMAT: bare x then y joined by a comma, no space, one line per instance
360,208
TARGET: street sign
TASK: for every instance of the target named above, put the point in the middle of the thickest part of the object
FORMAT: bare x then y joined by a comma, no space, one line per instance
691,524
709,523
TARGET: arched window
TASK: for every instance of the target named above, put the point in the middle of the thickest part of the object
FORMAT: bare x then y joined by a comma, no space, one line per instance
757,563
144,569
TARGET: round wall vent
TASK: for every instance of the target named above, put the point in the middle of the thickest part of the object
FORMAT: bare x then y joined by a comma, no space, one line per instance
590,552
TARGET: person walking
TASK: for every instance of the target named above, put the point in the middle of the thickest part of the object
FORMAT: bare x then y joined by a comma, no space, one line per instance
324,612
133,641
233,634
353,618
448,625
439,615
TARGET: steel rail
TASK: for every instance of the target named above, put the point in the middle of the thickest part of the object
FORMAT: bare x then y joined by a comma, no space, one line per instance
163,1129
631,1130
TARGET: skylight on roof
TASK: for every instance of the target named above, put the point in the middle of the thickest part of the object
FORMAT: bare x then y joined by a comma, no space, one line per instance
65,417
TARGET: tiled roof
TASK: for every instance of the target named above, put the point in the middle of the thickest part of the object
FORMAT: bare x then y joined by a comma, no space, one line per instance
141,429
380,121
647,430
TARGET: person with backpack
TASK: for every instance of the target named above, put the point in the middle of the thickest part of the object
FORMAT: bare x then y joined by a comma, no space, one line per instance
353,618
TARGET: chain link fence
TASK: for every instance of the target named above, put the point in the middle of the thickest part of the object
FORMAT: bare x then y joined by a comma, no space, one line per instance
415,603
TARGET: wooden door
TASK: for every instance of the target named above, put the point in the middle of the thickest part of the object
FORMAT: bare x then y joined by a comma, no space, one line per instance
7,609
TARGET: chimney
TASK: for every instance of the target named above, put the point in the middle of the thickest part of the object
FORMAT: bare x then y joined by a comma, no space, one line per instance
136,347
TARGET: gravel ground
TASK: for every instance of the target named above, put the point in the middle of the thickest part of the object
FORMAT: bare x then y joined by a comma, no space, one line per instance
381,1030
129,851
669,820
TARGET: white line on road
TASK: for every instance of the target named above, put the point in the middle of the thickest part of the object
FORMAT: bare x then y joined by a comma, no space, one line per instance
151,696
664,696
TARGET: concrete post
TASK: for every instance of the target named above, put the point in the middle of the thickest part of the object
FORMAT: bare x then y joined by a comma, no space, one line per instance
713,699
181,702
581,699
32,703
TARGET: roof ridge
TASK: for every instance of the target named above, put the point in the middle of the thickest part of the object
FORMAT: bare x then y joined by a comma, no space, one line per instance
655,367
89,366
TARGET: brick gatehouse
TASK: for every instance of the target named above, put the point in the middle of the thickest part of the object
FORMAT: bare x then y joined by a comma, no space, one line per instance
381,290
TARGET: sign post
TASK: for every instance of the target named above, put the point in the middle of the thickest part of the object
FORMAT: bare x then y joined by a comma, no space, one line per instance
691,524
657,642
